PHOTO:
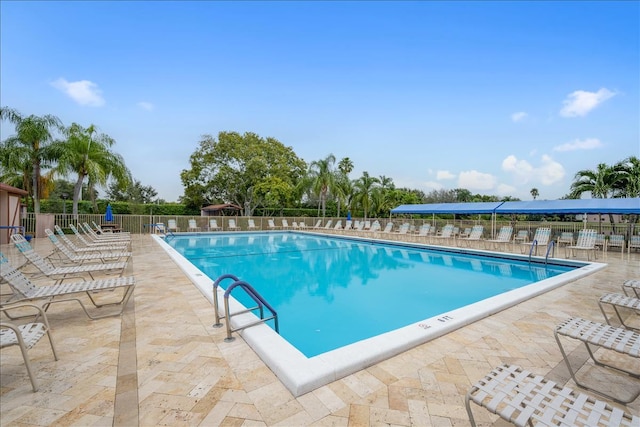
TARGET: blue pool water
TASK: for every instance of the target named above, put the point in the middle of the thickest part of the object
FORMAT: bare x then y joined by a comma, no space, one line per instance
331,292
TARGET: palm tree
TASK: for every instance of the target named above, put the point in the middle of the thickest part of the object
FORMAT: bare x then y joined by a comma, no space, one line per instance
628,184
600,183
364,187
534,193
345,166
88,154
322,178
343,190
28,151
343,186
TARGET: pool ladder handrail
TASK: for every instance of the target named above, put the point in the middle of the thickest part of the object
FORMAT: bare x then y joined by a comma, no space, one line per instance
534,244
253,294
551,248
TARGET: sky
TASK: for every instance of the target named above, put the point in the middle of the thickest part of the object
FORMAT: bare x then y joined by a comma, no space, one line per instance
494,97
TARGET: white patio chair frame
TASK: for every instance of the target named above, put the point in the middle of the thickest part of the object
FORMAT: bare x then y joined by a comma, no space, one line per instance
27,335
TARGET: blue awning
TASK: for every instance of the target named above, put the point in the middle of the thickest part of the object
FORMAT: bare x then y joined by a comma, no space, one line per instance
569,206
448,208
573,206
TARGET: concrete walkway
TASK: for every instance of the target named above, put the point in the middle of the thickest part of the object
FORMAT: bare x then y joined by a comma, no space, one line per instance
162,363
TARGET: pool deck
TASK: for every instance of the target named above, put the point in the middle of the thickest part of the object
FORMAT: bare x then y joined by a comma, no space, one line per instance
162,363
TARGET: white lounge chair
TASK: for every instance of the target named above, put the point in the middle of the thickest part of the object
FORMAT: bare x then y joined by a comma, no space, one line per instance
24,290
631,285
634,243
338,225
89,242
233,226
285,224
423,231
302,225
26,335
172,225
213,225
521,237
617,302
328,224
59,274
606,337
616,241
101,230
85,249
375,226
70,256
503,237
318,224
523,398
586,242
251,225
474,236
540,239
348,224
272,224
388,228
111,238
445,234
193,225
404,228
566,239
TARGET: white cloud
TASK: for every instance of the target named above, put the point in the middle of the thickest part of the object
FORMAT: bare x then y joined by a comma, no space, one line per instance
505,190
440,175
432,185
581,102
84,92
474,180
519,116
585,144
549,171
146,105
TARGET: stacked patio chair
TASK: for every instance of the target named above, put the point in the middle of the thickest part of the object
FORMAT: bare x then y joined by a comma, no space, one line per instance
24,290
46,268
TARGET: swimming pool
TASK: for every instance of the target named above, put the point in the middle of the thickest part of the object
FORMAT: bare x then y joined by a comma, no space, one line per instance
297,272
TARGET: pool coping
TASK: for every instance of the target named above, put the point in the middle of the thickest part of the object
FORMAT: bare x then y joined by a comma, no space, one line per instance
301,375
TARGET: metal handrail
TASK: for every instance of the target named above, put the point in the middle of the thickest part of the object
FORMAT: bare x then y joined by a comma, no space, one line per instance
552,245
534,244
215,296
257,298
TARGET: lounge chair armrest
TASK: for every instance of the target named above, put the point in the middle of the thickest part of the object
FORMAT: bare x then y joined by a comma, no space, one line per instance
39,311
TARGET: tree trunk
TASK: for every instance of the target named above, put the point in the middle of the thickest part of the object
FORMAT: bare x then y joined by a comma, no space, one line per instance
36,186
77,188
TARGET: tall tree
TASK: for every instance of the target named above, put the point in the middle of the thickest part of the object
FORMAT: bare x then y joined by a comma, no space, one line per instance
28,151
600,182
241,169
628,174
364,187
136,193
343,185
88,154
322,178
345,166
534,193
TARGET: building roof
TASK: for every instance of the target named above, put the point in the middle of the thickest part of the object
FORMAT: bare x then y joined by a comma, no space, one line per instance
221,207
13,190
